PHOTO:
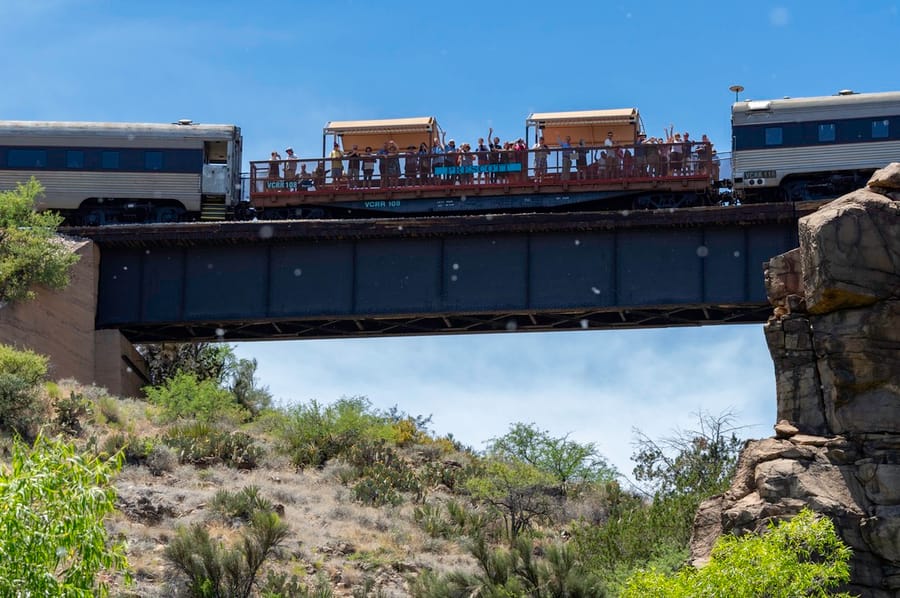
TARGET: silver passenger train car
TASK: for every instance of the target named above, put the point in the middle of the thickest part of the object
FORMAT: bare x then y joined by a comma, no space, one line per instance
102,173
811,148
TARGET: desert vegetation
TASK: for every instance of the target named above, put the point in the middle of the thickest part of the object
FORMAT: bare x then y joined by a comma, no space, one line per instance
207,489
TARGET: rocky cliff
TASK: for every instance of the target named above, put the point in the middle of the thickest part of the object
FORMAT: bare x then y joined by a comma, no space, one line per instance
834,337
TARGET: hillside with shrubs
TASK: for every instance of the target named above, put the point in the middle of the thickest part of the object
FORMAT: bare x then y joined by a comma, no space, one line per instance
206,489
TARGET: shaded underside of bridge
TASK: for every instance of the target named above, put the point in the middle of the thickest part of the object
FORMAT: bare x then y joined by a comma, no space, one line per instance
241,281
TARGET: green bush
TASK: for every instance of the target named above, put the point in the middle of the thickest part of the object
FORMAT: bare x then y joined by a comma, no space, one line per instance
215,570
52,538
454,521
800,557
430,518
312,434
21,373
281,585
383,474
242,504
200,444
134,449
109,410
184,396
514,572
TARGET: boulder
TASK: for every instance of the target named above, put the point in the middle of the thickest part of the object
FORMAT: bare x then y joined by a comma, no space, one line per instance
849,252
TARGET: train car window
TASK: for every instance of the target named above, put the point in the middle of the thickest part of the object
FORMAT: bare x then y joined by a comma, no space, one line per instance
26,158
881,129
826,132
774,136
109,160
153,160
74,159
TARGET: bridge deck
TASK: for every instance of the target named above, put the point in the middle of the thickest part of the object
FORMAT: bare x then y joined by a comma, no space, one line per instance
465,274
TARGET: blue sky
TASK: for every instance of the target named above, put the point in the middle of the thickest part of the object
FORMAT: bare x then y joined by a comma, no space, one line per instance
282,70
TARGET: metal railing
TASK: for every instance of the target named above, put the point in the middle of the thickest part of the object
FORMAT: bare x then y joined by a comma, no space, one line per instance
410,169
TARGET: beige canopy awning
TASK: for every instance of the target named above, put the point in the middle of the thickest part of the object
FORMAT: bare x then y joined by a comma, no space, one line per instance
592,126
404,132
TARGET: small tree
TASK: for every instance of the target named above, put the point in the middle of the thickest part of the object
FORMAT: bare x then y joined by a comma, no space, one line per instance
655,524
696,462
565,460
30,252
800,557
244,387
206,361
521,492
52,539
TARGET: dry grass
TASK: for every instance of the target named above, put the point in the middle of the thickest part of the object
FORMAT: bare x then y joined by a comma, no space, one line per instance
330,535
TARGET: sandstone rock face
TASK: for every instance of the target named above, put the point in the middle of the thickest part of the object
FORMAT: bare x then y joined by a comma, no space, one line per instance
834,338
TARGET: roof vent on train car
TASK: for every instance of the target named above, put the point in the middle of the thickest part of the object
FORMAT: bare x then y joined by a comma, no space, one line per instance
846,92
184,121
759,105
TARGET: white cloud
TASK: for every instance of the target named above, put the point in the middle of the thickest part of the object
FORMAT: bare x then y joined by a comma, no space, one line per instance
596,386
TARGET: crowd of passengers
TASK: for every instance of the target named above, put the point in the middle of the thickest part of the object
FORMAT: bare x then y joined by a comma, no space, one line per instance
674,155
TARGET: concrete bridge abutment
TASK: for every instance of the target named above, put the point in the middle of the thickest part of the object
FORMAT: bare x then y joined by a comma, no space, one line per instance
61,326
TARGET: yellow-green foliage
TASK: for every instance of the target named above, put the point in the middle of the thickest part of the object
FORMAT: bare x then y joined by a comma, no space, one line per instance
184,396
53,390
312,434
29,251
21,373
800,557
27,365
52,538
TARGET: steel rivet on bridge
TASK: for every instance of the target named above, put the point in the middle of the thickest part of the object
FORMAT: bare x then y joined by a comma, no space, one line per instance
595,290
453,278
512,325
297,271
702,251
266,232
220,332
577,241
456,266
585,324
737,254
